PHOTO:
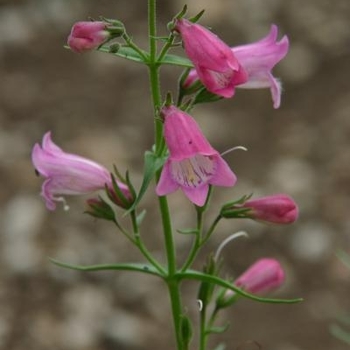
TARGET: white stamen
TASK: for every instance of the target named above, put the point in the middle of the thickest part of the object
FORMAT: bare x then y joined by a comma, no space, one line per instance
242,148
193,172
228,240
65,205
200,304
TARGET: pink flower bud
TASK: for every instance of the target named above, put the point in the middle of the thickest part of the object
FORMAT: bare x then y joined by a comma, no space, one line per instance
215,63
264,275
86,36
193,163
68,174
278,208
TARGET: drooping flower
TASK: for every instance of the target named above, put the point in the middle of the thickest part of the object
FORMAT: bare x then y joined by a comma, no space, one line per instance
68,174
278,209
215,63
86,36
263,276
193,164
258,59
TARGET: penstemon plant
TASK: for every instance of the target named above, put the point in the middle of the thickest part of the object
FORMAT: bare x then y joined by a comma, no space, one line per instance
181,158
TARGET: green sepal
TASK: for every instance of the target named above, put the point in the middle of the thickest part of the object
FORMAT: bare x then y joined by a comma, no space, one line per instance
179,15
238,201
125,203
188,231
197,17
239,213
204,96
206,278
186,331
136,267
100,209
152,165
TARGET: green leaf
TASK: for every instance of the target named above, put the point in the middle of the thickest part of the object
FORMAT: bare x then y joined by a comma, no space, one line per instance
124,52
152,165
200,276
340,333
137,267
176,61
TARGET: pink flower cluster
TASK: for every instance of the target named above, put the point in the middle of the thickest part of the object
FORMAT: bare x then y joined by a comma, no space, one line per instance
193,164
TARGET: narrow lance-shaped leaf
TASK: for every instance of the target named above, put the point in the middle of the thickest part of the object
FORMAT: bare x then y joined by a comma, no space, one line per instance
200,276
152,165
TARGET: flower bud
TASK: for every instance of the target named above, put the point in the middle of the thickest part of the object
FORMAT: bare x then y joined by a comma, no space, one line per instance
99,208
278,209
86,36
264,275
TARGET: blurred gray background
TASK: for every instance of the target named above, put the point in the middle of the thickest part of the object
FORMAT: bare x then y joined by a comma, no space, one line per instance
97,105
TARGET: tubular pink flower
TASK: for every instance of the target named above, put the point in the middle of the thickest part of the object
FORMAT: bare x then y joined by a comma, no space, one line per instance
215,63
258,59
263,276
86,36
193,163
278,209
67,174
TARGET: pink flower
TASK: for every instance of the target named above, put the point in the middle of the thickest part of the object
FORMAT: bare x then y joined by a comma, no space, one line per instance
193,163
264,275
258,59
67,174
86,36
278,209
216,65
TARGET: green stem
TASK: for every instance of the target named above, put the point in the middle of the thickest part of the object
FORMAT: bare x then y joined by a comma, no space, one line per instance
131,44
202,329
173,282
196,244
141,246
211,229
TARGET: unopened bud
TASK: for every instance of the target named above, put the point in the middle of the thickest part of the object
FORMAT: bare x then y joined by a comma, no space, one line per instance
277,209
264,275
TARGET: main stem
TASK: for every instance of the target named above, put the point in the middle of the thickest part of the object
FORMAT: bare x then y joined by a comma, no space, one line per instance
172,282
